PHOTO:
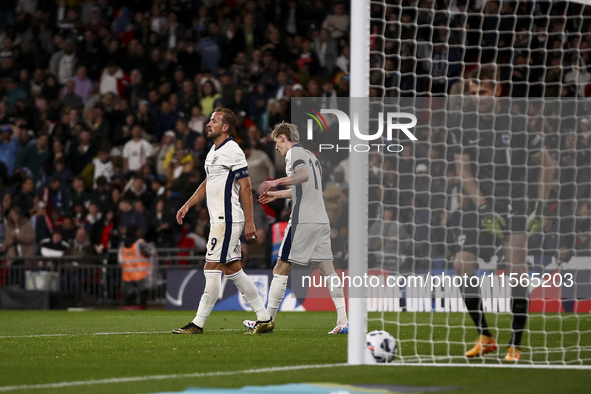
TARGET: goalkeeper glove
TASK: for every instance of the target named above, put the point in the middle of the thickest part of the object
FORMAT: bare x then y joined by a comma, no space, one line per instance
490,221
535,221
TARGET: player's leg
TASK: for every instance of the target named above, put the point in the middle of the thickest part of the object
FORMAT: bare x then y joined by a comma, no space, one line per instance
474,243
219,236
213,279
516,254
322,254
283,266
247,288
335,287
280,277
465,264
278,286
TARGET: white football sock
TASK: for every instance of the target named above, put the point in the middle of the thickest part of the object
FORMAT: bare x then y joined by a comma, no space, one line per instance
249,291
276,293
211,293
338,297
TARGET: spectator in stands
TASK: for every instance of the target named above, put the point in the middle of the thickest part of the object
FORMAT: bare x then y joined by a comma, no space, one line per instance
9,147
102,194
53,246
247,37
198,120
96,21
161,225
260,166
26,198
34,155
93,216
338,179
62,172
326,50
178,161
78,194
103,166
57,195
83,86
113,79
188,99
342,62
81,152
104,233
129,216
185,132
41,222
81,247
137,189
63,65
337,23
161,151
210,54
208,96
136,151
69,98
20,237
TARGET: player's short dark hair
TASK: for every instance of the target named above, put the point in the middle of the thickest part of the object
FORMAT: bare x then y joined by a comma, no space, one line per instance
228,118
287,129
484,73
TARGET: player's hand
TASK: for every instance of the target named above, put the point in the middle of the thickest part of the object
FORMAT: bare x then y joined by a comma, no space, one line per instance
535,222
490,221
250,232
181,214
266,186
267,197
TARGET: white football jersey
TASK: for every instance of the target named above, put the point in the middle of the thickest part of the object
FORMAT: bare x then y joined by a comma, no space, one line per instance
137,153
224,166
307,200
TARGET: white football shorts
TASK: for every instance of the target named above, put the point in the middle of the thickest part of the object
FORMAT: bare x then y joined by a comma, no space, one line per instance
305,243
223,245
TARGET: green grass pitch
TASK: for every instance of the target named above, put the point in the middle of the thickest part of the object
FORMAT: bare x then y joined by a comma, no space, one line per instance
45,347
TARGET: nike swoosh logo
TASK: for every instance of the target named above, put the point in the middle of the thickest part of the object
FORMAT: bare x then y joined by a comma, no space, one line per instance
209,254
473,141
179,300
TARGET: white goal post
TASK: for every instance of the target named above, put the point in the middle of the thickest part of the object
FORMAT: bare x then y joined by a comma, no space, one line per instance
358,202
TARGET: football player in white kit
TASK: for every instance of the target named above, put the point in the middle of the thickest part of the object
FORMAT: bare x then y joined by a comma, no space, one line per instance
307,236
226,183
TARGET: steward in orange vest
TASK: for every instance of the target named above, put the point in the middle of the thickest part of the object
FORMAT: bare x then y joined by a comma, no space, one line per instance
135,258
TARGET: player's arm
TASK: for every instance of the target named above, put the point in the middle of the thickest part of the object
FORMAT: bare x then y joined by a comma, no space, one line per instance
547,171
490,221
300,176
468,182
271,196
548,168
246,196
198,196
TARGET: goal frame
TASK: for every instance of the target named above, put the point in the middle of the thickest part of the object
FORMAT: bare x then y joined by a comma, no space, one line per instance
358,197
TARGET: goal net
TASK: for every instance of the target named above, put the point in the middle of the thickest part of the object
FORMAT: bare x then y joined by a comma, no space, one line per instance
423,55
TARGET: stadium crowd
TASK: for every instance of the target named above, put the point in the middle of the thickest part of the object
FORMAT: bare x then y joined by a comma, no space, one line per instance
103,107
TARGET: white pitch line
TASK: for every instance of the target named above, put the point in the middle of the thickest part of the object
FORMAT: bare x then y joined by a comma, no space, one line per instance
119,333
273,369
502,366
163,377
82,334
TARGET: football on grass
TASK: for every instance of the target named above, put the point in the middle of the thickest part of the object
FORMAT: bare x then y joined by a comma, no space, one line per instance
382,346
